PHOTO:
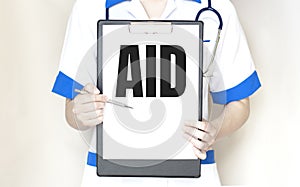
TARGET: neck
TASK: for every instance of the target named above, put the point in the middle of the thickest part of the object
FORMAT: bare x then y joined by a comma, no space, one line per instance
154,8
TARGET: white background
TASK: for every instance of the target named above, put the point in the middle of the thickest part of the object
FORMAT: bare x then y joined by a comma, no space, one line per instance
39,149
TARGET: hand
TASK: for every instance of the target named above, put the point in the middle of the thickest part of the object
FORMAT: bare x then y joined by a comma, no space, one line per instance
88,108
202,135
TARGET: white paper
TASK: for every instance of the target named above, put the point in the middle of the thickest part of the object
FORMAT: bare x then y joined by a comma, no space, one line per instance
121,140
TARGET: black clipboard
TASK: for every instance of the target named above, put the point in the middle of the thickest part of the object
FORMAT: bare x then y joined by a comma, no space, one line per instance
184,168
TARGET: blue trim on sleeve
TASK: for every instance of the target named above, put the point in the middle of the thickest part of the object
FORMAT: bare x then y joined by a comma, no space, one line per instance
111,3
198,1
210,158
241,91
65,86
91,159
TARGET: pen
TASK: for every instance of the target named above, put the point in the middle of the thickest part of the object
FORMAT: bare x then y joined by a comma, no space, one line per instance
108,101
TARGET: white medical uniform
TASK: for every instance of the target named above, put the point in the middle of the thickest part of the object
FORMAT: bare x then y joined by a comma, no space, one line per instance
234,77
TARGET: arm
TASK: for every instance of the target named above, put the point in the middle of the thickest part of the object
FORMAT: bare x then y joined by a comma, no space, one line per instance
235,67
203,134
235,115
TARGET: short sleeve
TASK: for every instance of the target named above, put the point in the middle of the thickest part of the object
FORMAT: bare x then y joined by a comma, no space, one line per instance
78,59
234,77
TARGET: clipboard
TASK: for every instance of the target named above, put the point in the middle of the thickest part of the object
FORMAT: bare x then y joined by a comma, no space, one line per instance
115,155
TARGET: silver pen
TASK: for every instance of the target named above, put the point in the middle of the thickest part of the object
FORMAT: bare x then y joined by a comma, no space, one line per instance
108,101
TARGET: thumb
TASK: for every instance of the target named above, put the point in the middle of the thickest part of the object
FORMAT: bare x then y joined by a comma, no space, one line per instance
91,89
200,154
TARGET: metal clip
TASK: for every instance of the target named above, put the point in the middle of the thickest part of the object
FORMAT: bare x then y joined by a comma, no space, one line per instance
150,27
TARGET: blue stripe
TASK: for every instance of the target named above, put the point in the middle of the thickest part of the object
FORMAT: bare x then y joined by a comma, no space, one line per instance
91,159
210,158
241,91
65,86
111,3
206,40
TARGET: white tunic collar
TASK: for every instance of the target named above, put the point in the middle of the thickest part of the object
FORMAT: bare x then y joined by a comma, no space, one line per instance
136,9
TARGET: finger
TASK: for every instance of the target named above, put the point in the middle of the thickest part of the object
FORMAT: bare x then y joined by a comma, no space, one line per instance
198,134
94,122
90,88
202,125
196,143
197,125
87,98
199,154
88,107
90,115
211,143
210,146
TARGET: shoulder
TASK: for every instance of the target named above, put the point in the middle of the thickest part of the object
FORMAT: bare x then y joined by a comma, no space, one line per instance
90,9
225,7
90,4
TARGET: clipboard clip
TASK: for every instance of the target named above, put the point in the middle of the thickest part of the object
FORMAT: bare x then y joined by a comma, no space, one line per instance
150,27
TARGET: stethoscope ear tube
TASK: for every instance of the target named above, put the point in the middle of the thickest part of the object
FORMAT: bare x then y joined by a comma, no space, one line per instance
213,53
210,8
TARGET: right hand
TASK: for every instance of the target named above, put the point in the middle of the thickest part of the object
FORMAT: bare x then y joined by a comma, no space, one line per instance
88,108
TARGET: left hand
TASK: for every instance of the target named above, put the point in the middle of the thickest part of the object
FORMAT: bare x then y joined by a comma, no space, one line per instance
202,135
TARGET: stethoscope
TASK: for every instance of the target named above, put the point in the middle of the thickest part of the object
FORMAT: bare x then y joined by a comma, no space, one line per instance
210,8
110,3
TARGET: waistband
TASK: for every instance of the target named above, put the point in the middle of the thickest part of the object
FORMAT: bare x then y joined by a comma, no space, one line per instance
210,158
